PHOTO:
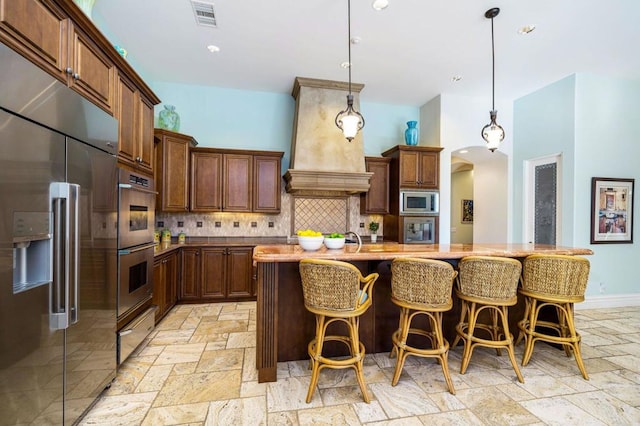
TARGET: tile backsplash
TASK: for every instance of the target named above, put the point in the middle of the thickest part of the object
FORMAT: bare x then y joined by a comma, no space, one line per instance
323,214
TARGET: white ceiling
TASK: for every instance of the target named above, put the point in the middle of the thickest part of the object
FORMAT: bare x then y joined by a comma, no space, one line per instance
408,53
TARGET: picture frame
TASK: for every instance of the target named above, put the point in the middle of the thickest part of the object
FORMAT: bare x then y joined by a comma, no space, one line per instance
466,212
611,210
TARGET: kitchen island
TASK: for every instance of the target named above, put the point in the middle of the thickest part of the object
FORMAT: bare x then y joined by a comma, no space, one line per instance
284,326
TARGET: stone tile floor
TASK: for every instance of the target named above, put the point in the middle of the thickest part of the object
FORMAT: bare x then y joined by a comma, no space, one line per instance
198,368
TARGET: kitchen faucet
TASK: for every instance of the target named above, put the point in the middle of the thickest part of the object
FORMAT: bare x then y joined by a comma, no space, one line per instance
357,238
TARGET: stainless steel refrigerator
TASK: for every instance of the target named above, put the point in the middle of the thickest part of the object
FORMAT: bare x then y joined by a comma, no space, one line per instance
58,272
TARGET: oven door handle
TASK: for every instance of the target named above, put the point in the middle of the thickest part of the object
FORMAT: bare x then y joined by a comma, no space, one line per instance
136,249
135,188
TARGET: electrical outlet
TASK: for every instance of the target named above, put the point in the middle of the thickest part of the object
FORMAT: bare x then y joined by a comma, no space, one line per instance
361,224
603,288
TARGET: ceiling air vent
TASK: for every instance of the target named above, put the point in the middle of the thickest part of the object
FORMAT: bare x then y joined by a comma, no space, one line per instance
204,13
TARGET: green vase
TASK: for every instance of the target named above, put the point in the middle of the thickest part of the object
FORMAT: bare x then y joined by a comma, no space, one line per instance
86,6
169,119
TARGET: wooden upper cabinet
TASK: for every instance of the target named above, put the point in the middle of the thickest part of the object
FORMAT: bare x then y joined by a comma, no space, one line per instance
38,30
127,112
172,170
135,120
237,172
146,134
92,74
235,180
376,200
266,183
415,166
206,181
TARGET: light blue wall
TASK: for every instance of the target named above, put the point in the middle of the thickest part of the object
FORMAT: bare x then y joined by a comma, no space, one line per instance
543,126
241,119
593,122
608,136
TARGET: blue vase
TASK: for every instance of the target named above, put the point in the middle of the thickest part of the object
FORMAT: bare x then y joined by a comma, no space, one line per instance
411,133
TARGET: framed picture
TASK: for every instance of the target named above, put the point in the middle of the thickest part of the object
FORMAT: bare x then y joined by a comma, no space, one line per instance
467,211
611,210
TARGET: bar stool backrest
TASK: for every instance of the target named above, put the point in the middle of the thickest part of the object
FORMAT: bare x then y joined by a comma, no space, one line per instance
489,277
330,285
422,281
556,275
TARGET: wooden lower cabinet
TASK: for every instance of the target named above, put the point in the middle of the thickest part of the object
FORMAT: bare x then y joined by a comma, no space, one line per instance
217,274
165,281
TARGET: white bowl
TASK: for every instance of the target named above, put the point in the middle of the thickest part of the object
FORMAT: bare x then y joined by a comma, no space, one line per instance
334,243
310,243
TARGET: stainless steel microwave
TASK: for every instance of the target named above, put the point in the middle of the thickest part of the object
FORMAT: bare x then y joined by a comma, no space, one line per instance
419,202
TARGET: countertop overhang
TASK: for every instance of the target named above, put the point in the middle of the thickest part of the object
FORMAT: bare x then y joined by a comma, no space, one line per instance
389,250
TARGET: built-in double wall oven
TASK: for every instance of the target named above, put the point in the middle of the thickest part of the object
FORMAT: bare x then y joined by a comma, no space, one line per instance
136,219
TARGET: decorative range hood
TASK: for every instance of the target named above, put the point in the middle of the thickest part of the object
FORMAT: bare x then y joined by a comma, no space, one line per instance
323,162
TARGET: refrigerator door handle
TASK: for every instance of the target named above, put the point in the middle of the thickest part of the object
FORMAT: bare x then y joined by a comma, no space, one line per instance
65,256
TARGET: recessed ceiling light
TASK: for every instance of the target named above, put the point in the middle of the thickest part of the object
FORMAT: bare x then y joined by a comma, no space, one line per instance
380,4
213,48
345,64
526,29
456,78
463,151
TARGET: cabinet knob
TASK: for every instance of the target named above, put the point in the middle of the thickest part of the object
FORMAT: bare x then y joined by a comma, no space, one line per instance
68,70
76,76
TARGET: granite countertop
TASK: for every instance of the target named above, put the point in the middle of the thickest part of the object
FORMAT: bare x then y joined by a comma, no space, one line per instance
164,248
390,250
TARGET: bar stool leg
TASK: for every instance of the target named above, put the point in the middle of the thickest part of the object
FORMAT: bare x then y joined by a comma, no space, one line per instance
468,344
357,350
508,336
399,341
530,327
440,343
315,352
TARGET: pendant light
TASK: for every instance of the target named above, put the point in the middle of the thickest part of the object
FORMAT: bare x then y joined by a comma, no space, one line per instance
493,133
349,121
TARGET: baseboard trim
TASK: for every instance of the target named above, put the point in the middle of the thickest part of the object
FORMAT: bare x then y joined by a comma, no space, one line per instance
612,301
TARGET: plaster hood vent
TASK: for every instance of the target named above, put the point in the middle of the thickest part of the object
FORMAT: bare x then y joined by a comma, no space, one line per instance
204,13
323,162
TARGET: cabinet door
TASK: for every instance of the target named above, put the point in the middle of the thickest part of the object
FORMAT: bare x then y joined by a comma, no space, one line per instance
175,174
171,281
145,134
266,184
206,181
409,167
159,287
190,282
214,273
38,30
239,272
126,113
428,170
376,200
93,73
237,174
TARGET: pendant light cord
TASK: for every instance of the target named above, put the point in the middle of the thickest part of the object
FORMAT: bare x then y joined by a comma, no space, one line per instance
493,71
349,40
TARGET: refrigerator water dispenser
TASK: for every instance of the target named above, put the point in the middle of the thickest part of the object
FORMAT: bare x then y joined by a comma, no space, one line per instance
32,250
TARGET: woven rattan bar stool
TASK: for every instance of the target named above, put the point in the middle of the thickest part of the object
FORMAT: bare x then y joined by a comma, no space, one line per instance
336,292
421,287
487,284
554,281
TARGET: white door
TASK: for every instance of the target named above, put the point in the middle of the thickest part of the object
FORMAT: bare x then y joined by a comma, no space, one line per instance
542,208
